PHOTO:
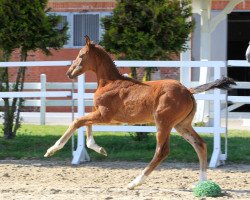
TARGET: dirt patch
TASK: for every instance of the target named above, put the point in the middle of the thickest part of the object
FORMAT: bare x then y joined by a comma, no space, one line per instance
54,180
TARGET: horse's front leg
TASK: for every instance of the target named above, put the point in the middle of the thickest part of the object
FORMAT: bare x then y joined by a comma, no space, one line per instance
92,118
90,142
62,141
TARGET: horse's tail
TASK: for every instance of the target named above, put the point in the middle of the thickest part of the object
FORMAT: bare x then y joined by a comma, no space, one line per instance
223,83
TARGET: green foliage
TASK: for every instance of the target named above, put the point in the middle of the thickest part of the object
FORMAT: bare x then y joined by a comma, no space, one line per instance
24,25
140,29
139,136
32,141
200,124
207,189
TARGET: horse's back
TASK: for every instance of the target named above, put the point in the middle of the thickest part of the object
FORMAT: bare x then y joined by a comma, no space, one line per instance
169,86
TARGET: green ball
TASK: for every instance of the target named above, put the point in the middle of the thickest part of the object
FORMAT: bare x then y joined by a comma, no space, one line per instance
207,189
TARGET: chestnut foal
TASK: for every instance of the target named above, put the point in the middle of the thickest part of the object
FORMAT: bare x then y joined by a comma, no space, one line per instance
120,99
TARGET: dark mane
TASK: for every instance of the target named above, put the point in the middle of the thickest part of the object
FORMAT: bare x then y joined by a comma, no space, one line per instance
104,52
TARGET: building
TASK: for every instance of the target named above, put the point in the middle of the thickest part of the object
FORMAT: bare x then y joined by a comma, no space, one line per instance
228,42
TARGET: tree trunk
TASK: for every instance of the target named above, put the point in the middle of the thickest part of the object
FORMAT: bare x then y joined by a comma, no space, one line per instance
12,110
133,72
4,87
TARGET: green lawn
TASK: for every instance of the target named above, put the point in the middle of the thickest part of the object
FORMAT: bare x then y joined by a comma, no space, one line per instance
32,141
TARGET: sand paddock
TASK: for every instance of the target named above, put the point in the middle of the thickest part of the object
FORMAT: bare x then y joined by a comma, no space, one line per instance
35,179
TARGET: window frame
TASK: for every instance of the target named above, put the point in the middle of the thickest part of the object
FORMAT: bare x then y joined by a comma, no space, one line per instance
70,20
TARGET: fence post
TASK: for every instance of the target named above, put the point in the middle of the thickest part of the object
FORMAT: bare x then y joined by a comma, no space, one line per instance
217,154
43,99
202,105
80,154
185,72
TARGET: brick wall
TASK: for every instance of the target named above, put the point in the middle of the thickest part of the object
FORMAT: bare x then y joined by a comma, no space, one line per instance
55,74
86,6
220,5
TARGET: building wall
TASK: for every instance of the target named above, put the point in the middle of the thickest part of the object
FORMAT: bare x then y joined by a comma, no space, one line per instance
218,38
83,6
221,4
55,74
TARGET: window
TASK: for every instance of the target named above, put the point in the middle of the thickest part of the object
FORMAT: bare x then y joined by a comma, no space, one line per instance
85,25
81,24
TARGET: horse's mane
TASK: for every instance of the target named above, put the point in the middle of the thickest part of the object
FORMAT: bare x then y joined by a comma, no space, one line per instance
105,52
107,55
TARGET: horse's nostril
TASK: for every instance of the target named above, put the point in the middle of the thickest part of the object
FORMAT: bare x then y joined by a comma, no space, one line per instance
69,75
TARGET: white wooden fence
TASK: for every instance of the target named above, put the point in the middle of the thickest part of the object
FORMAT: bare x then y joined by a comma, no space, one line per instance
238,101
80,154
42,102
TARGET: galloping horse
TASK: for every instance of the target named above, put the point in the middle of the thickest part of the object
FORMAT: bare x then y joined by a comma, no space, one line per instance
120,99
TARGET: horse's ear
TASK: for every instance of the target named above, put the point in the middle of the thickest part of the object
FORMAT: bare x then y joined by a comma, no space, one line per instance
87,40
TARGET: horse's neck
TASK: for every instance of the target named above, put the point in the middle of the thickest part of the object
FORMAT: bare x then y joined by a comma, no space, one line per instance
106,70
106,73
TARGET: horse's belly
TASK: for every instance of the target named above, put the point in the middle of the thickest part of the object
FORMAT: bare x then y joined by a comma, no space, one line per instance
133,116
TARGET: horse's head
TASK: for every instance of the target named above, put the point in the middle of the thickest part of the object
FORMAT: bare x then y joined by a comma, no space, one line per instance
82,63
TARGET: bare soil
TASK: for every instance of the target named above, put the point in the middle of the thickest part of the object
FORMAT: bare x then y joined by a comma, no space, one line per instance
54,180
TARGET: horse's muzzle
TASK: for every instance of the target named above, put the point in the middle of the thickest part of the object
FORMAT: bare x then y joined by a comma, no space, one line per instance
69,75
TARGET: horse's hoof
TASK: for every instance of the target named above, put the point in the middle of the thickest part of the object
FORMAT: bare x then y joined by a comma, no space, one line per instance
131,186
139,180
103,151
49,153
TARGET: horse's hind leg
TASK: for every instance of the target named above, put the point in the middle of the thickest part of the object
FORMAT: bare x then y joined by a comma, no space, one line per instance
161,152
189,134
90,142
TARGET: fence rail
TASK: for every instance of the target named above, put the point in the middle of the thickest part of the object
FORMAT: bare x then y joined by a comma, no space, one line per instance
238,101
85,99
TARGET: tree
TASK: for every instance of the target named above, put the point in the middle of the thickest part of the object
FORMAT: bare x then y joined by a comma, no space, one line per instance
27,26
147,29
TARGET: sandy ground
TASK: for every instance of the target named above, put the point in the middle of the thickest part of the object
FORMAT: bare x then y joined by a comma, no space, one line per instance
52,180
